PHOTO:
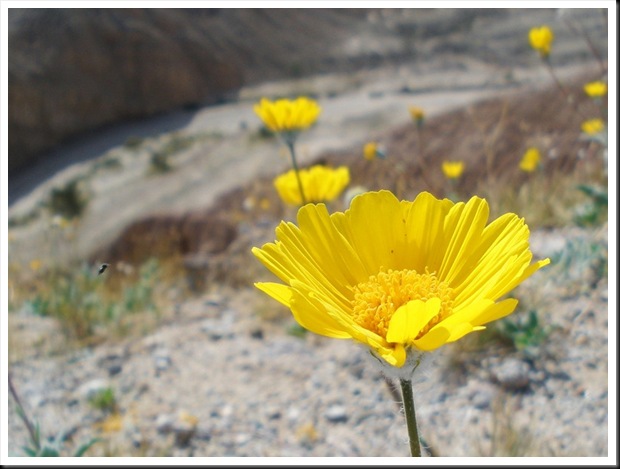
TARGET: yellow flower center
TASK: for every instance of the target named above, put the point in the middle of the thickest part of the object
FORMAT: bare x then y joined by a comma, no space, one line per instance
376,300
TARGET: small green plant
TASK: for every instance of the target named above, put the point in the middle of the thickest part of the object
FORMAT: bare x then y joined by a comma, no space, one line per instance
159,163
104,400
69,200
79,300
51,447
582,260
594,211
526,334
297,331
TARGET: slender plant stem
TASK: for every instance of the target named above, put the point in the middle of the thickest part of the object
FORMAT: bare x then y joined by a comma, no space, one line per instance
22,414
561,87
582,32
422,161
412,426
291,148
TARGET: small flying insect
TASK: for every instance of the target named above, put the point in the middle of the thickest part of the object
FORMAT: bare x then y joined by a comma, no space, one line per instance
102,268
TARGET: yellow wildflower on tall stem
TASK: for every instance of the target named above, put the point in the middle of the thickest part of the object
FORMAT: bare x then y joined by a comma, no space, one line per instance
417,115
541,39
287,118
322,184
402,278
452,170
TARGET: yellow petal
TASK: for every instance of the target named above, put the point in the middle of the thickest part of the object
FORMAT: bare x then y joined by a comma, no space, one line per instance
463,229
433,339
394,356
277,291
410,319
497,311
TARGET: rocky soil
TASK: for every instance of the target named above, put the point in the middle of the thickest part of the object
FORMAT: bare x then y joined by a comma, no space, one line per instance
225,373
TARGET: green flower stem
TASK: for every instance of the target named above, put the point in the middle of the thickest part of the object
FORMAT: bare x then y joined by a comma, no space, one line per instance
291,148
412,426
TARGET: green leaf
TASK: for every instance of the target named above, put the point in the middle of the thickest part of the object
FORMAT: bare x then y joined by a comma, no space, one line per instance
29,451
48,452
85,447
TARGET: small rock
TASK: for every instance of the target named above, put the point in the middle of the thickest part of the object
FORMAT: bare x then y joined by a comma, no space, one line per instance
216,329
273,413
115,369
164,423
91,388
242,438
162,360
293,414
512,374
257,334
336,414
482,398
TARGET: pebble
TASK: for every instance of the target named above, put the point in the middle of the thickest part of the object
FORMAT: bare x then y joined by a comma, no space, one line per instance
217,329
336,414
512,374
91,388
162,359
482,398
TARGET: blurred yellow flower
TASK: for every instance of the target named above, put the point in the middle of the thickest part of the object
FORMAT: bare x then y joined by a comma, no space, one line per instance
417,114
284,115
35,265
593,126
401,277
320,184
452,169
112,424
530,160
60,221
372,151
595,89
188,418
541,39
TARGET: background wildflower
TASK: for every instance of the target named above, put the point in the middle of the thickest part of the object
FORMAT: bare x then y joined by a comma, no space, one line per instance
452,169
35,265
530,160
287,118
372,151
285,115
595,89
320,184
541,39
417,114
593,126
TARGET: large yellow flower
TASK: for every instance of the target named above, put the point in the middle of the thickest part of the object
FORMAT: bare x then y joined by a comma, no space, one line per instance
530,160
398,276
284,115
320,184
541,39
